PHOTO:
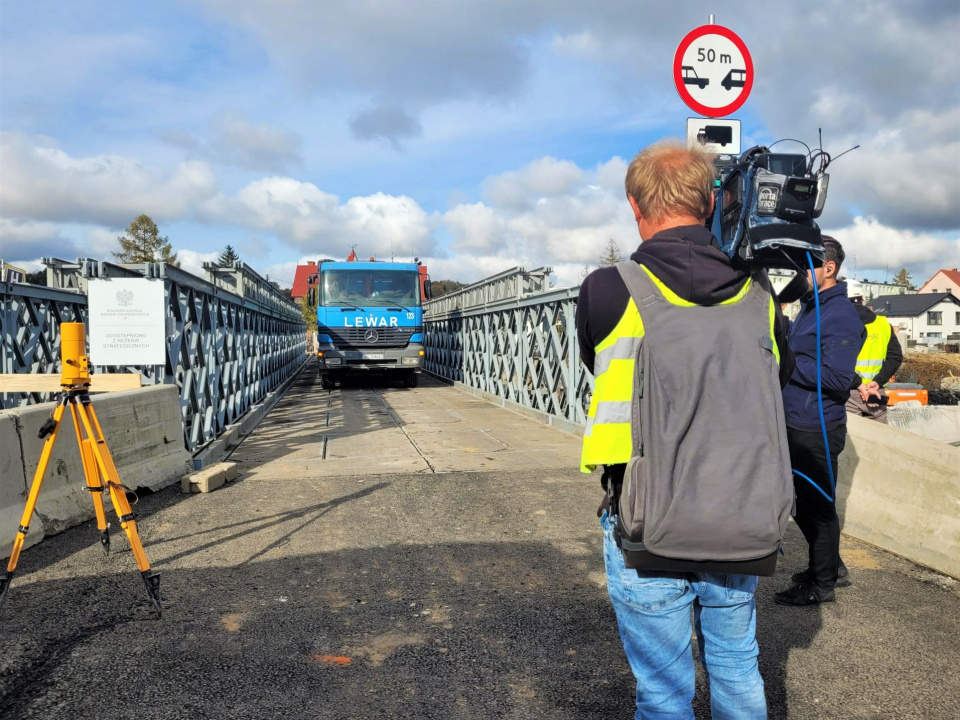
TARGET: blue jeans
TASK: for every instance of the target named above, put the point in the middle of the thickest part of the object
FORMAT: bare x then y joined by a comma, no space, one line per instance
653,613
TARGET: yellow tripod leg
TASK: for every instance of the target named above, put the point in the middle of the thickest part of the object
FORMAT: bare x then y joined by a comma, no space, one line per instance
95,482
118,495
49,430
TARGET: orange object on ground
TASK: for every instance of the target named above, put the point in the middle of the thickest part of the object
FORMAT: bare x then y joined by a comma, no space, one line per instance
899,396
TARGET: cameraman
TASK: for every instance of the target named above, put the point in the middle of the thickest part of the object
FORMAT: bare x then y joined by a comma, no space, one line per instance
879,358
669,189
841,337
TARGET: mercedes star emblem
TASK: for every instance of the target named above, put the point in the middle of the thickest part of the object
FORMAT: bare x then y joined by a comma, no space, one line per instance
371,336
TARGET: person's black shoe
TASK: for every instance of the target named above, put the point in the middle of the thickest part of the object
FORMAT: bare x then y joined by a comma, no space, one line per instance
804,575
804,594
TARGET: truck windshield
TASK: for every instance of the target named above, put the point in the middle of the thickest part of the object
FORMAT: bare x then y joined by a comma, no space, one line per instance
370,288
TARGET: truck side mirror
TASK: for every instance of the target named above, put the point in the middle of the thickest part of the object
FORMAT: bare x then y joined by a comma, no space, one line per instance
428,288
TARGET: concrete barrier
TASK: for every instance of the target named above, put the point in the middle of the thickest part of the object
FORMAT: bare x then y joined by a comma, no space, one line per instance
13,486
901,492
937,422
143,430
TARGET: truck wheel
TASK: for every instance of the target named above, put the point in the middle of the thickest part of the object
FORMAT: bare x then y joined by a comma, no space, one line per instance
411,379
327,383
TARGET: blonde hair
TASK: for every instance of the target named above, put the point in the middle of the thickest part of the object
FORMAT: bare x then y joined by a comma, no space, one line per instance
668,179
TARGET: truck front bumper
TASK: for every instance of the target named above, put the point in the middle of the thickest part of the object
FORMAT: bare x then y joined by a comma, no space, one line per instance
333,360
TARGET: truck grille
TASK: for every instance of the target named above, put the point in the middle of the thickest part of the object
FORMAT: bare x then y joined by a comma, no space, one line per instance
385,336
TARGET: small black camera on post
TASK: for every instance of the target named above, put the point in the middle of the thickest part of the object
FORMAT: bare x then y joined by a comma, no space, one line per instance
766,205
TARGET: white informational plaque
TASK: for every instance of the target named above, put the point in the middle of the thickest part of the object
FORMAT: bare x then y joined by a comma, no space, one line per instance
126,320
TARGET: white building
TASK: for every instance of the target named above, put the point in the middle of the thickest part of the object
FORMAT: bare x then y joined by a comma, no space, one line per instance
931,318
867,289
872,289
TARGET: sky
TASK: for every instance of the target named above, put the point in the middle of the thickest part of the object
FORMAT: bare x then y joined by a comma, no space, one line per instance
475,135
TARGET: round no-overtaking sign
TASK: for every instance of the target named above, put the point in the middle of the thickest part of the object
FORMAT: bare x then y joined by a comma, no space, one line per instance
713,71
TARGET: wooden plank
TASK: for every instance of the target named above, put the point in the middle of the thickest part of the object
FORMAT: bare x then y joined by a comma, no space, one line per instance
36,383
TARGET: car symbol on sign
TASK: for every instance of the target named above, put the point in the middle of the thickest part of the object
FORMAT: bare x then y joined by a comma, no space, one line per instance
690,77
734,78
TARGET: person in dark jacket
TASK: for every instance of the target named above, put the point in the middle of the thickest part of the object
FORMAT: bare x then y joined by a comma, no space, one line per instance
669,189
841,337
876,364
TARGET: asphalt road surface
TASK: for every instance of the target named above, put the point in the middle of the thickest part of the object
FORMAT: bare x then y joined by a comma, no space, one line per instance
391,553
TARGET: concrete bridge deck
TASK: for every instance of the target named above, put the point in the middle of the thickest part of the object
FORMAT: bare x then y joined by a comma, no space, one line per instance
391,553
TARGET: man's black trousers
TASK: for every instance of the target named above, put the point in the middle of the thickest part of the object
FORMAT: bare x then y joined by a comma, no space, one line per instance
816,515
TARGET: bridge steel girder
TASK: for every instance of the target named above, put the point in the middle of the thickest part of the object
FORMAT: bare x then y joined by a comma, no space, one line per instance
225,350
512,284
522,350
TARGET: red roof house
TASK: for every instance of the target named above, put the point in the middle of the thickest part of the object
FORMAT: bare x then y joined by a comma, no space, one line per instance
946,280
301,281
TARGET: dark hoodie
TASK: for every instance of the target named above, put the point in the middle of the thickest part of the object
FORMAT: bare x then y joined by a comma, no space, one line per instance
688,261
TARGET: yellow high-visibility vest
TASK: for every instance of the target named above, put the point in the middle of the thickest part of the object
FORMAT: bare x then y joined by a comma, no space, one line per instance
608,437
874,350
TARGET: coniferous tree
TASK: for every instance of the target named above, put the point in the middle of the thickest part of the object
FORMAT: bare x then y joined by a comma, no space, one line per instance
903,278
228,257
611,254
142,243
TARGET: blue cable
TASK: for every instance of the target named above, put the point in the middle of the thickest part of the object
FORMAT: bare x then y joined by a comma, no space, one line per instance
823,422
819,489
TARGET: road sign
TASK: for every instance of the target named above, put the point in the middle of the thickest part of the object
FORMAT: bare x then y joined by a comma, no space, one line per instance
713,71
720,137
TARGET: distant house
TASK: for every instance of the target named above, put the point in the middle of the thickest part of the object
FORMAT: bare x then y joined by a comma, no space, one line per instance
932,318
945,280
302,282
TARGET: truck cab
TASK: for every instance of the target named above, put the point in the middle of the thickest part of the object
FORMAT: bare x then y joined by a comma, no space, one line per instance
370,320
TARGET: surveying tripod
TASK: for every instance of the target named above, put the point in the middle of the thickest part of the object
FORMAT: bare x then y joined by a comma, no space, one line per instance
98,467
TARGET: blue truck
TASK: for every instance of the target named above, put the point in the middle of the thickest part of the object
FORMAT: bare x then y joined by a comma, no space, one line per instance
370,320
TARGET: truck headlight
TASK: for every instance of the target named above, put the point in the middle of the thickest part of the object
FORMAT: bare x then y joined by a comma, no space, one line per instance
333,361
410,361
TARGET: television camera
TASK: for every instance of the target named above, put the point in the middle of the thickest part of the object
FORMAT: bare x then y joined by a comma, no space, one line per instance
766,207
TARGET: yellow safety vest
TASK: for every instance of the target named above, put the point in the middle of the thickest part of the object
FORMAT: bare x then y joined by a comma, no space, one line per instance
608,437
874,350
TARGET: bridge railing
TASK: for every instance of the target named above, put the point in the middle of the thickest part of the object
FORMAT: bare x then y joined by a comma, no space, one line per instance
231,339
523,350
511,284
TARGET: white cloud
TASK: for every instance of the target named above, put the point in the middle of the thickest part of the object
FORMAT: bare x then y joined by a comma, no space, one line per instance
550,211
236,140
22,241
43,183
546,177
477,227
192,261
870,245
101,242
309,218
906,175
